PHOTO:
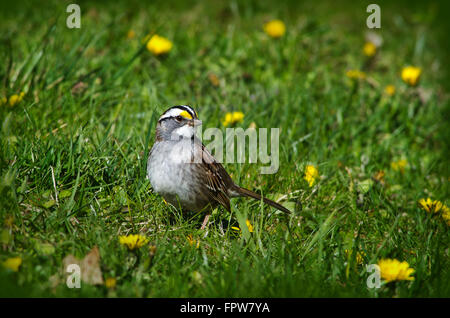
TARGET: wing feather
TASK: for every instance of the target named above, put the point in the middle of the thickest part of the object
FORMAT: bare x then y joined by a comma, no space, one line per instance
218,181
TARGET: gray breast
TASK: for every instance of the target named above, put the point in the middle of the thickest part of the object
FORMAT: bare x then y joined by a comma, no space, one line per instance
172,175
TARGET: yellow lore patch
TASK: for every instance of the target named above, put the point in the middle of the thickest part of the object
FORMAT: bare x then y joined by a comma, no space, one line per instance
185,114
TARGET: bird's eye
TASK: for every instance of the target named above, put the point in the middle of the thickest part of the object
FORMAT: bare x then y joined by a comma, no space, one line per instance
179,118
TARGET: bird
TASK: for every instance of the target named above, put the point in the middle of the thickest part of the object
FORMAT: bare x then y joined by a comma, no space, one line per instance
182,170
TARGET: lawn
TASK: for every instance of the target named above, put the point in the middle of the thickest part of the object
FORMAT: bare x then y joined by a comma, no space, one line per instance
78,113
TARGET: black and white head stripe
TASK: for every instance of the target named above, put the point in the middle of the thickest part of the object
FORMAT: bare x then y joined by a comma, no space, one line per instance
180,110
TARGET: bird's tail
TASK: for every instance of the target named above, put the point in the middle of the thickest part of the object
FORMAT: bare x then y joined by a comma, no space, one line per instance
256,196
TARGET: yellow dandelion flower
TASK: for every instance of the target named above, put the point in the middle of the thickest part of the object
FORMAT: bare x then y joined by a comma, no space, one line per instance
399,165
394,270
430,205
434,207
446,214
213,79
355,74
389,90
369,49
359,256
275,28
192,241
131,34
311,174
15,99
227,120
249,227
379,176
233,118
411,75
13,263
110,282
238,116
159,45
133,241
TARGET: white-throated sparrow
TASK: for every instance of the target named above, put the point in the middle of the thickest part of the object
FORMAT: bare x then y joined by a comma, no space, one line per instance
185,173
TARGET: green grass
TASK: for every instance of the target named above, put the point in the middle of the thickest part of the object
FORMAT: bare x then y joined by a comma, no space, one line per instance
90,148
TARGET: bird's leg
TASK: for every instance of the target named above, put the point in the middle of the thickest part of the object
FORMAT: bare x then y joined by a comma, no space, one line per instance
205,221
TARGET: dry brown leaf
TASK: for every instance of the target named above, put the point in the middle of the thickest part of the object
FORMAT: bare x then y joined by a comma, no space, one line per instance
79,88
214,79
89,265
54,281
379,176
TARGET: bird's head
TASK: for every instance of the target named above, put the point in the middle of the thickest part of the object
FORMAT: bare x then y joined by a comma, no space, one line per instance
177,122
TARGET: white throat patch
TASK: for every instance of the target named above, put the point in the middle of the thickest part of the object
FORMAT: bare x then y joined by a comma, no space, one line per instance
185,131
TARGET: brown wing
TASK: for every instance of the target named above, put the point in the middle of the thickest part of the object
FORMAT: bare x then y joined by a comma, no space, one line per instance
218,181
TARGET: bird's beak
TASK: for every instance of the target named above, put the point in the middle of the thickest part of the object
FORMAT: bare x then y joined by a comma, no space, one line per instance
195,122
